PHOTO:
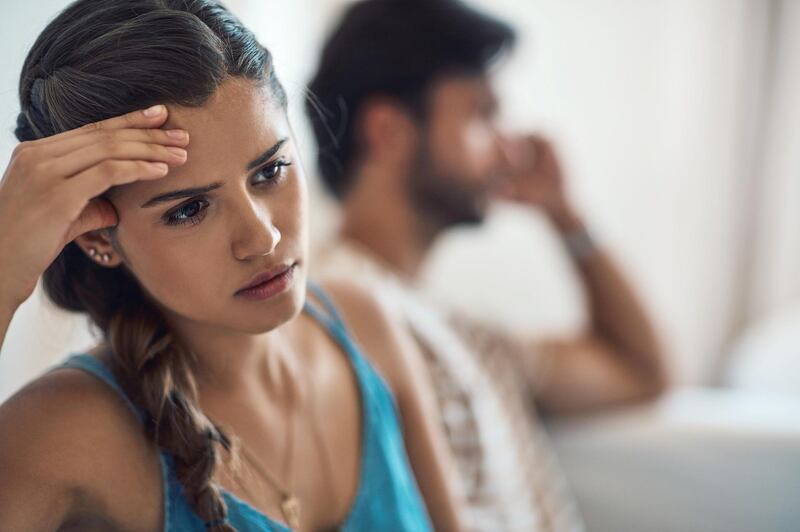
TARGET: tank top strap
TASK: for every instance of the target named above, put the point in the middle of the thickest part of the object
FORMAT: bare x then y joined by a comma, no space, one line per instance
388,497
328,313
97,368
179,515
328,316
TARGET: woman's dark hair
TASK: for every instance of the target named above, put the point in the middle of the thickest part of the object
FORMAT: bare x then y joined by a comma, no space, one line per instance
103,58
396,49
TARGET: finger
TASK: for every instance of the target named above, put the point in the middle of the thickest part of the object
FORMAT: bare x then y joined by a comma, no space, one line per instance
152,117
98,214
172,137
89,156
543,146
99,178
537,139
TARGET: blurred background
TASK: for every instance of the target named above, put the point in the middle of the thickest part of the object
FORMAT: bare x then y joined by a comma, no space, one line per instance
679,124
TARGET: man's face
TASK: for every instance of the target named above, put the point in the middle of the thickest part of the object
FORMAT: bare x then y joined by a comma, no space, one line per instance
460,155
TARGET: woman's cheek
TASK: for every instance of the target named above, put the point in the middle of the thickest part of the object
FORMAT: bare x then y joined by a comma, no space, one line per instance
177,272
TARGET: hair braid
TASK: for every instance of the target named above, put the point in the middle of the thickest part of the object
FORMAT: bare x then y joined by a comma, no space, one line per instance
156,372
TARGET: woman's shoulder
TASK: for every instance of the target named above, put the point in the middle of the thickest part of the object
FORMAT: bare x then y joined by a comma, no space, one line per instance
55,424
64,392
381,335
363,313
69,439
354,301
69,409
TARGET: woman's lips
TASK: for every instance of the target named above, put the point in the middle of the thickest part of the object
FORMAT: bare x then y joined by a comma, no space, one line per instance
274,283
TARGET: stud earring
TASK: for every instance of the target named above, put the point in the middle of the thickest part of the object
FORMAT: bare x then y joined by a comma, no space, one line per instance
92,252
105,257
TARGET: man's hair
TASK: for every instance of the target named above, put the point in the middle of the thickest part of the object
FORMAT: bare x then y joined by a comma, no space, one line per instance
396,49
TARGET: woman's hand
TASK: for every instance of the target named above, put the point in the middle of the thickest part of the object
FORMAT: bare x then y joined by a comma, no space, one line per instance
49,192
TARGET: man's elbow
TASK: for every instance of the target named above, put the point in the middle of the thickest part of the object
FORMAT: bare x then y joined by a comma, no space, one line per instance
655,381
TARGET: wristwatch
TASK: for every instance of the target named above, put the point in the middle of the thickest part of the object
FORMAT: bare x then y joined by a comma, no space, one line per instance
580,244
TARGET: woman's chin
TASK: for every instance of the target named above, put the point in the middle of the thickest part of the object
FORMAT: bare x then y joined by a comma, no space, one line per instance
258,317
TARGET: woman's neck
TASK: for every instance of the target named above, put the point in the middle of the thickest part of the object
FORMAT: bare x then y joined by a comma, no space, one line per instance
232,362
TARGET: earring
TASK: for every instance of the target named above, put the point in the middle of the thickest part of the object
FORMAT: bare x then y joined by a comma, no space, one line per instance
103,257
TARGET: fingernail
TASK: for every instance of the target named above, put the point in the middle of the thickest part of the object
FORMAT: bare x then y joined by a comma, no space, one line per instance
161,167
178,134
180,152
154,111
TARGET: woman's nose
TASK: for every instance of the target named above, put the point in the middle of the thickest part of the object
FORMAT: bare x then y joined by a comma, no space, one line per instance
255,234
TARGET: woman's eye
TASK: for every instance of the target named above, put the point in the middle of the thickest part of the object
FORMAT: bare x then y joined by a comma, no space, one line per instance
188,213
273,172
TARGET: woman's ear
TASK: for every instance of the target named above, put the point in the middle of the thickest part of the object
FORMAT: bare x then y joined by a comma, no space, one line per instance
98,246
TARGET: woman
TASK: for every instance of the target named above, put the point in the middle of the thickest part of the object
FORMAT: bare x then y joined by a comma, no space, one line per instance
213,402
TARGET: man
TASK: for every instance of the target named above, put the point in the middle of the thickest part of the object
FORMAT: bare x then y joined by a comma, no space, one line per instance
405,117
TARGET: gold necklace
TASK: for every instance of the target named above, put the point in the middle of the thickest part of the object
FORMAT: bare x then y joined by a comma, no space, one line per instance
290,504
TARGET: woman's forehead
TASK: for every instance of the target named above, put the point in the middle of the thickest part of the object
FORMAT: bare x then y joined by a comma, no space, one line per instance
239,107
239,123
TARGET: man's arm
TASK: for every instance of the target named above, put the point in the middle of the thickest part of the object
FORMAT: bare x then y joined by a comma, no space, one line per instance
620,358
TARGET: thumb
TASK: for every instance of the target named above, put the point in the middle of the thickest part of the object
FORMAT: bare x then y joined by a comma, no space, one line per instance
98,214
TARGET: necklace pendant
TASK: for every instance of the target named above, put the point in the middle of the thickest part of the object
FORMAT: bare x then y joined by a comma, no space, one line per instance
290,507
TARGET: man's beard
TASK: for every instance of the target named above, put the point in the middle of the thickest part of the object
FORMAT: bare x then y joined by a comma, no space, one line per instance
442,200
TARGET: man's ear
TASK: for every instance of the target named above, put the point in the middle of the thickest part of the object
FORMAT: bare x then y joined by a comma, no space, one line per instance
98,247
388,130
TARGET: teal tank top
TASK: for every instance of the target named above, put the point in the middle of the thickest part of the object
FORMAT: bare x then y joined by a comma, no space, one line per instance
387,499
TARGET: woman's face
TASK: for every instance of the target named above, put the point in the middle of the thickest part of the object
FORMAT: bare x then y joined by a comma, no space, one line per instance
236,210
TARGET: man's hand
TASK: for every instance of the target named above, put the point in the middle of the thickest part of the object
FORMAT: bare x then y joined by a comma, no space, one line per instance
535,178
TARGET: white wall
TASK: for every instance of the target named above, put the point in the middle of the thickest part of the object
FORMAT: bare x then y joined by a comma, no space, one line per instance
776,281
653,105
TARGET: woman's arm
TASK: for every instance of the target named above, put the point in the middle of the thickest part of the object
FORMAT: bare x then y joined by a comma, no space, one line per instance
49,192
31,498
38,458
396,355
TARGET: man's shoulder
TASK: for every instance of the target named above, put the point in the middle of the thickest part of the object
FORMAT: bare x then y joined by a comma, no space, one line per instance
339,258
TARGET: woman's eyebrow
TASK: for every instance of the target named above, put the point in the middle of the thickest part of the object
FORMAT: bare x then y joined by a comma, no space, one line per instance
178,194
189,192
196,191
267,155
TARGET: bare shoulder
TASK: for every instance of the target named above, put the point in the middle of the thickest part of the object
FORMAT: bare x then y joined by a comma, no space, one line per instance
69,411
65,402
384,338
357,303
364,314
65,436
